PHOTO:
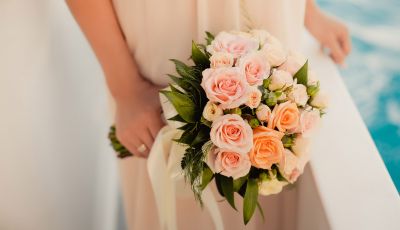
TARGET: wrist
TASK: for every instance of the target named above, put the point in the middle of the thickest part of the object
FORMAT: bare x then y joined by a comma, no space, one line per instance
128,91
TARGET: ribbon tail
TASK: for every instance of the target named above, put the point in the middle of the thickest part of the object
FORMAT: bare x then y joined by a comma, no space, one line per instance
163,186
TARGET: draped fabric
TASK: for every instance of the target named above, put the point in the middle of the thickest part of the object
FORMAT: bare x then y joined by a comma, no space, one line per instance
157,31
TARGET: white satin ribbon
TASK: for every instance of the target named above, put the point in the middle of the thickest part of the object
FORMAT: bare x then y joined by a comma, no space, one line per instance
164,168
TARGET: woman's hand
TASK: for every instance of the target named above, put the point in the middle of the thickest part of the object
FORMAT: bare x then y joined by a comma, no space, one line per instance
331,33
138,118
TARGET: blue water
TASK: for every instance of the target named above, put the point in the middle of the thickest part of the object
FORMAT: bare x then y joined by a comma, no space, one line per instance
373,72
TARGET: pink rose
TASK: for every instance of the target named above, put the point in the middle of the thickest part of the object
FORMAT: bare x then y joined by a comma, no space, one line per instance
309,120
254,98
255,67
293,63
228,163
220,59
226,86
292,168
232,132
235,44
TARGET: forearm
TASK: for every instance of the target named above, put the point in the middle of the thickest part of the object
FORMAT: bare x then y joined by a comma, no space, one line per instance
98,22
311,10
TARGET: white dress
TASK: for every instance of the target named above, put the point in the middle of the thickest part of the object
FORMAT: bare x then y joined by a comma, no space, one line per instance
158,30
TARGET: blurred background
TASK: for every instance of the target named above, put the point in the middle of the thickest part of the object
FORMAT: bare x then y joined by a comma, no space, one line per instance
372,74
56,168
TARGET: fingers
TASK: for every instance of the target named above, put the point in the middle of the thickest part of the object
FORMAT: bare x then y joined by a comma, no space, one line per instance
129,142
345,42
155,127
336,52
147,140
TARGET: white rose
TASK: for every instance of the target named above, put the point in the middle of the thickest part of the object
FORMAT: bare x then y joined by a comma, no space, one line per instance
293,63
263,112
298,94
301,146
320,100
221,59
271,40
269,187
254,98
274,53
280,80
260,35
212,111
312,78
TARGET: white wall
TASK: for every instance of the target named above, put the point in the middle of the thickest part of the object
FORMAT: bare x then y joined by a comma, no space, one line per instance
56,170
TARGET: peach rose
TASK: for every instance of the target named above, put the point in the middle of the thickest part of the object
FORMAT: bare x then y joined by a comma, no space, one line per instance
221,59
284,116
228,163
226,86
232,132
267,148
254,98
255,68
235,44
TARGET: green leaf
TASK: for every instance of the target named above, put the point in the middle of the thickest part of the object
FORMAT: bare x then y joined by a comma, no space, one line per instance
302,74
177,117
198,57
288,141
237,184
203,135
206,177
218,184
227,189
183,105
205,122
312,90
266,82
271,99
261,211
180,81
184,70
210,37
188,135
250,200
174,89
121,151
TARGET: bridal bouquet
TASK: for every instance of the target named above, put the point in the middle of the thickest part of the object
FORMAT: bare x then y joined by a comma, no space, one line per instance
247,108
